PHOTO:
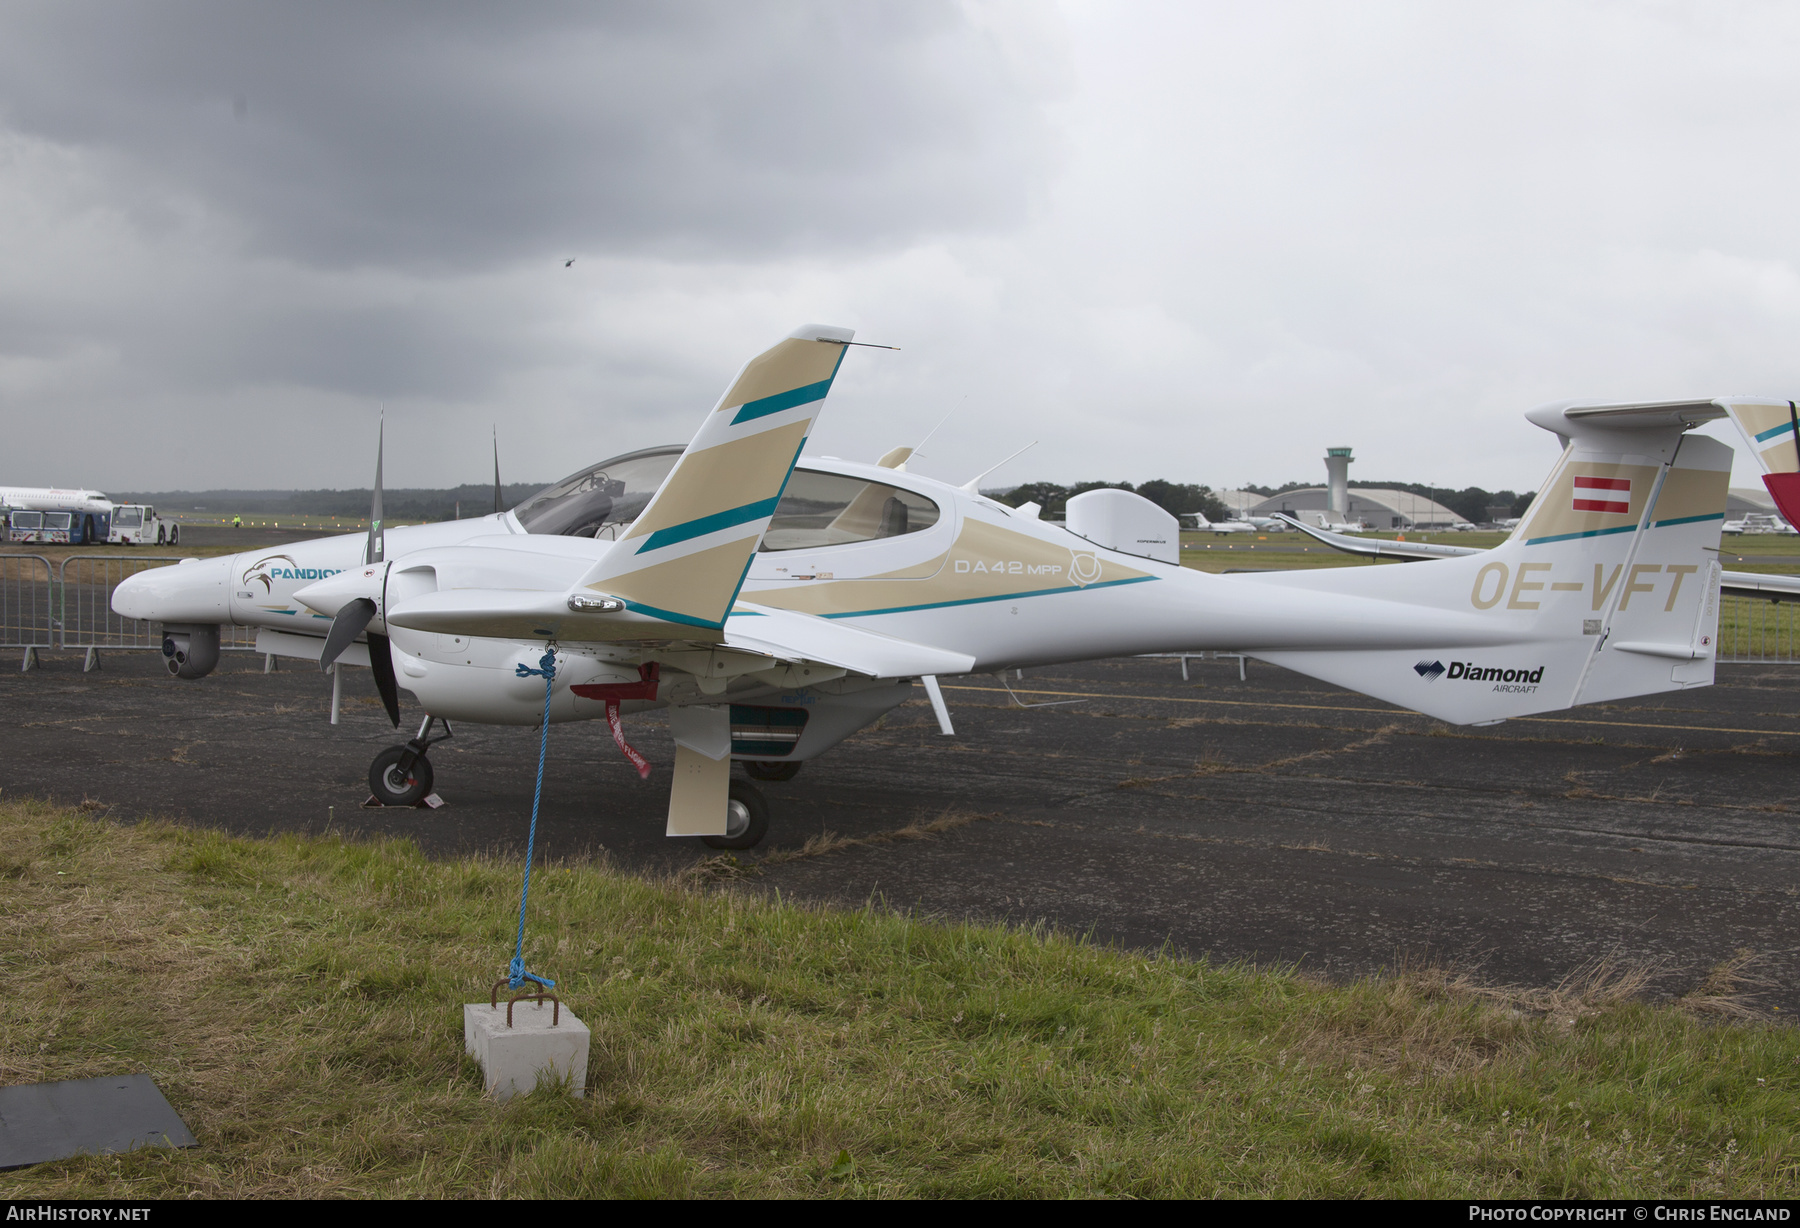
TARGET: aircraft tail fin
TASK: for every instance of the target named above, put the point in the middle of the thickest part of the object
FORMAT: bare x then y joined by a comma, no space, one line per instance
685,557
1608,588
1770,428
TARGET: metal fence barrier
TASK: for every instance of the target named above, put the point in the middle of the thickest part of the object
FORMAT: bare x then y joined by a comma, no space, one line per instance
85,606
27,605
72,607
1757,632
85,585
1185,657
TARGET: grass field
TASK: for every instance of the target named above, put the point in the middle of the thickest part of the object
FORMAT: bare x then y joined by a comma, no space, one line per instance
298,1000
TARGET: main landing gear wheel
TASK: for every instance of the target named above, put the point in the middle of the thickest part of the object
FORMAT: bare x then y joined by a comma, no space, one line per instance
746,818
759,769
396,785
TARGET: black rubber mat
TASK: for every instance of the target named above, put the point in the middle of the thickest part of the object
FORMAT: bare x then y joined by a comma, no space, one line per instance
53,1121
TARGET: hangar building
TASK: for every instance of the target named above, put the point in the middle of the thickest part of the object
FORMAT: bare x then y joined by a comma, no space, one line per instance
1743,500
1375,507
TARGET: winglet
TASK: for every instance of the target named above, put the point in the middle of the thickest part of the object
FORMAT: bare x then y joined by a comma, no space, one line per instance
685,557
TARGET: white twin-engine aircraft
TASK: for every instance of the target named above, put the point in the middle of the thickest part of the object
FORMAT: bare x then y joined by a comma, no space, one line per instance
775,606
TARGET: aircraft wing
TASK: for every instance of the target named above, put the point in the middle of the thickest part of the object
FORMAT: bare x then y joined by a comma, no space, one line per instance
793,636
1374,547
1754,584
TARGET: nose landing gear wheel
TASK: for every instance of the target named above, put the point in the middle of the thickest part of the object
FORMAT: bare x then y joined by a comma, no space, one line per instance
394,785
746,819
759,769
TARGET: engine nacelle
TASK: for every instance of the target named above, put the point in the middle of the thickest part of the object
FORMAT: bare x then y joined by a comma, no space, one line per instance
190,650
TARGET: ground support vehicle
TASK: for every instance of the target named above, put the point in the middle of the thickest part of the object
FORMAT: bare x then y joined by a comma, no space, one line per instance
137,524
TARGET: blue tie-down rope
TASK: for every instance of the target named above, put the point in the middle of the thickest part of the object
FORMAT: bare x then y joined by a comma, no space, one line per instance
516,974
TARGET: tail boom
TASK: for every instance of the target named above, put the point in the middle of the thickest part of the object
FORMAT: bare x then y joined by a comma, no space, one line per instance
1608,588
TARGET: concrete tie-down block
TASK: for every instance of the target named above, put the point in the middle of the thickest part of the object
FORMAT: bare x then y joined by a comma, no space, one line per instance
513,1059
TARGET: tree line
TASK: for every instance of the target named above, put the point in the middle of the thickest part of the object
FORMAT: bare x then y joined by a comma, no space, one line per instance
1176,498
407,503
397,503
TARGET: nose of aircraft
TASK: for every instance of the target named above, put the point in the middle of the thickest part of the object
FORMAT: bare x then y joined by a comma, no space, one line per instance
192,591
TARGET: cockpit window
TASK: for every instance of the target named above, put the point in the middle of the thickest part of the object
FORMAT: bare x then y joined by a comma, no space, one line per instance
586,504
824,509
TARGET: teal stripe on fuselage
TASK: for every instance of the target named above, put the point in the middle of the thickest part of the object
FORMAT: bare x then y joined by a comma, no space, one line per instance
709,524
1039,592
751,410
1624,528
1569,537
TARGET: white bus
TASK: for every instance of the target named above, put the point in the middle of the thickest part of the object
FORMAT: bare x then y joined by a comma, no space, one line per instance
78,517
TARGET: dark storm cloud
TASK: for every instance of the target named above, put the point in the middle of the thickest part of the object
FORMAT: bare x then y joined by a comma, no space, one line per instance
456,137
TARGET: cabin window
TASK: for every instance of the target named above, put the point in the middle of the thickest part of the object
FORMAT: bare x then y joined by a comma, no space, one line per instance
824,509
589,503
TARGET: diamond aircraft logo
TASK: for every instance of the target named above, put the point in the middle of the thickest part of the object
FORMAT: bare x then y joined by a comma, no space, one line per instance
1468,671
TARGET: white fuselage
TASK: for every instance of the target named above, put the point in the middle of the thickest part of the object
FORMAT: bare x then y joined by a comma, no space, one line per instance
55,499
985,587
985,580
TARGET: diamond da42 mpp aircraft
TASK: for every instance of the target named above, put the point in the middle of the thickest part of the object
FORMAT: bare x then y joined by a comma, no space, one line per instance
774,605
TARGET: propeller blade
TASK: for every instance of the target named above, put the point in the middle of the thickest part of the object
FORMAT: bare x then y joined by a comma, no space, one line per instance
377,543
497,507
348,624
381,664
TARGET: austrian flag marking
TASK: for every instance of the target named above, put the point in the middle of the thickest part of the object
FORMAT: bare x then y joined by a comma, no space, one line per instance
1603,494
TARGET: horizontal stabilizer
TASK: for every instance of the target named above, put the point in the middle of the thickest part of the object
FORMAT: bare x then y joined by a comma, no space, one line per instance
1375,547
1754,584
802,637
1583,418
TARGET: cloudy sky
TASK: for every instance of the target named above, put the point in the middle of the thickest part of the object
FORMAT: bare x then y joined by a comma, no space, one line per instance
1193,241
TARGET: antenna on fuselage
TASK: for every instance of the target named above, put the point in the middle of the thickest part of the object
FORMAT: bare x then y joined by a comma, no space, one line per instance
496,470
377,548
353,618
972,485
918,449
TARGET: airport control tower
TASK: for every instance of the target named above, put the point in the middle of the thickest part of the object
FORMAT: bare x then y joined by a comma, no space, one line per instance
1337,481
